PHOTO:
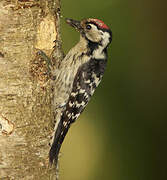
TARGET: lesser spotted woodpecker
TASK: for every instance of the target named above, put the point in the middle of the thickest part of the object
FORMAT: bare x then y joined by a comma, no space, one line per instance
78,75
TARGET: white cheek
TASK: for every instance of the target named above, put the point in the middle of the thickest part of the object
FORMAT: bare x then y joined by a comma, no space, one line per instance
106,37
93,37
94,34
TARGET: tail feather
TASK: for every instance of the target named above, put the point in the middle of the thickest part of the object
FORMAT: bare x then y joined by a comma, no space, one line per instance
57,142
54,153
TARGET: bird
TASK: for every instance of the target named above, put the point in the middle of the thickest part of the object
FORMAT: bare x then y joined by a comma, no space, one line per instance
78,75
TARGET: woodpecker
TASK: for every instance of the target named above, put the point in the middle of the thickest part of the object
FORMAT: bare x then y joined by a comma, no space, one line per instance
78,75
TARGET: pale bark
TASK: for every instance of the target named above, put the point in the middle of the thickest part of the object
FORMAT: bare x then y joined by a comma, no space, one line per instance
25,87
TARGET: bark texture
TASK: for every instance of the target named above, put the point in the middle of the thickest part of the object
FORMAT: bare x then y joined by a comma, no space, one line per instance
25,87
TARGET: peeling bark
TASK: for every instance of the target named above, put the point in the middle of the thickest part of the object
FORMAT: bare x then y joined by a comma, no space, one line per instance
26,112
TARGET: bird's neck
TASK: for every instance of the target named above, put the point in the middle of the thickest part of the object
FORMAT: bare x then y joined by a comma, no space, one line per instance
93,49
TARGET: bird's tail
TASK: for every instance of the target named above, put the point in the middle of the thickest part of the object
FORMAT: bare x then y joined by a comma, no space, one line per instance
54,153
59,136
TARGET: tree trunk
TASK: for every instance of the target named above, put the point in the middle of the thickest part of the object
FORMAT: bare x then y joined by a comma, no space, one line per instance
26,112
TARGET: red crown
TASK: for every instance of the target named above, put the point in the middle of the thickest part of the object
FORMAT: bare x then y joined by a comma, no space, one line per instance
100,23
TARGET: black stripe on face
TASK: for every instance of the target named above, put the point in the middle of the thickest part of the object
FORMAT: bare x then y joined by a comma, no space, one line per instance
92,46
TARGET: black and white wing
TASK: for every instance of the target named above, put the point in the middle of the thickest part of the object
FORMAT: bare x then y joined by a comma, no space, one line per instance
86,80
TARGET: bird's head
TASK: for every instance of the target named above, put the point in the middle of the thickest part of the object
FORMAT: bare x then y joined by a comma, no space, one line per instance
93,30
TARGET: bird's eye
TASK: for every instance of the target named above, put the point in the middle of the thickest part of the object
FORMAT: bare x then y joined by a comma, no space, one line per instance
88,27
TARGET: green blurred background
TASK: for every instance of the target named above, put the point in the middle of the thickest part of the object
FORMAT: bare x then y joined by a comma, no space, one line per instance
122,133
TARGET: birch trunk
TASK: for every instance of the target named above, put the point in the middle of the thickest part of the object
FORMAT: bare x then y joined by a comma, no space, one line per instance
25,87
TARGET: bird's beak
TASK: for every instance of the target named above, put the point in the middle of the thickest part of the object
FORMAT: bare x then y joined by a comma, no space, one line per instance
75,24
